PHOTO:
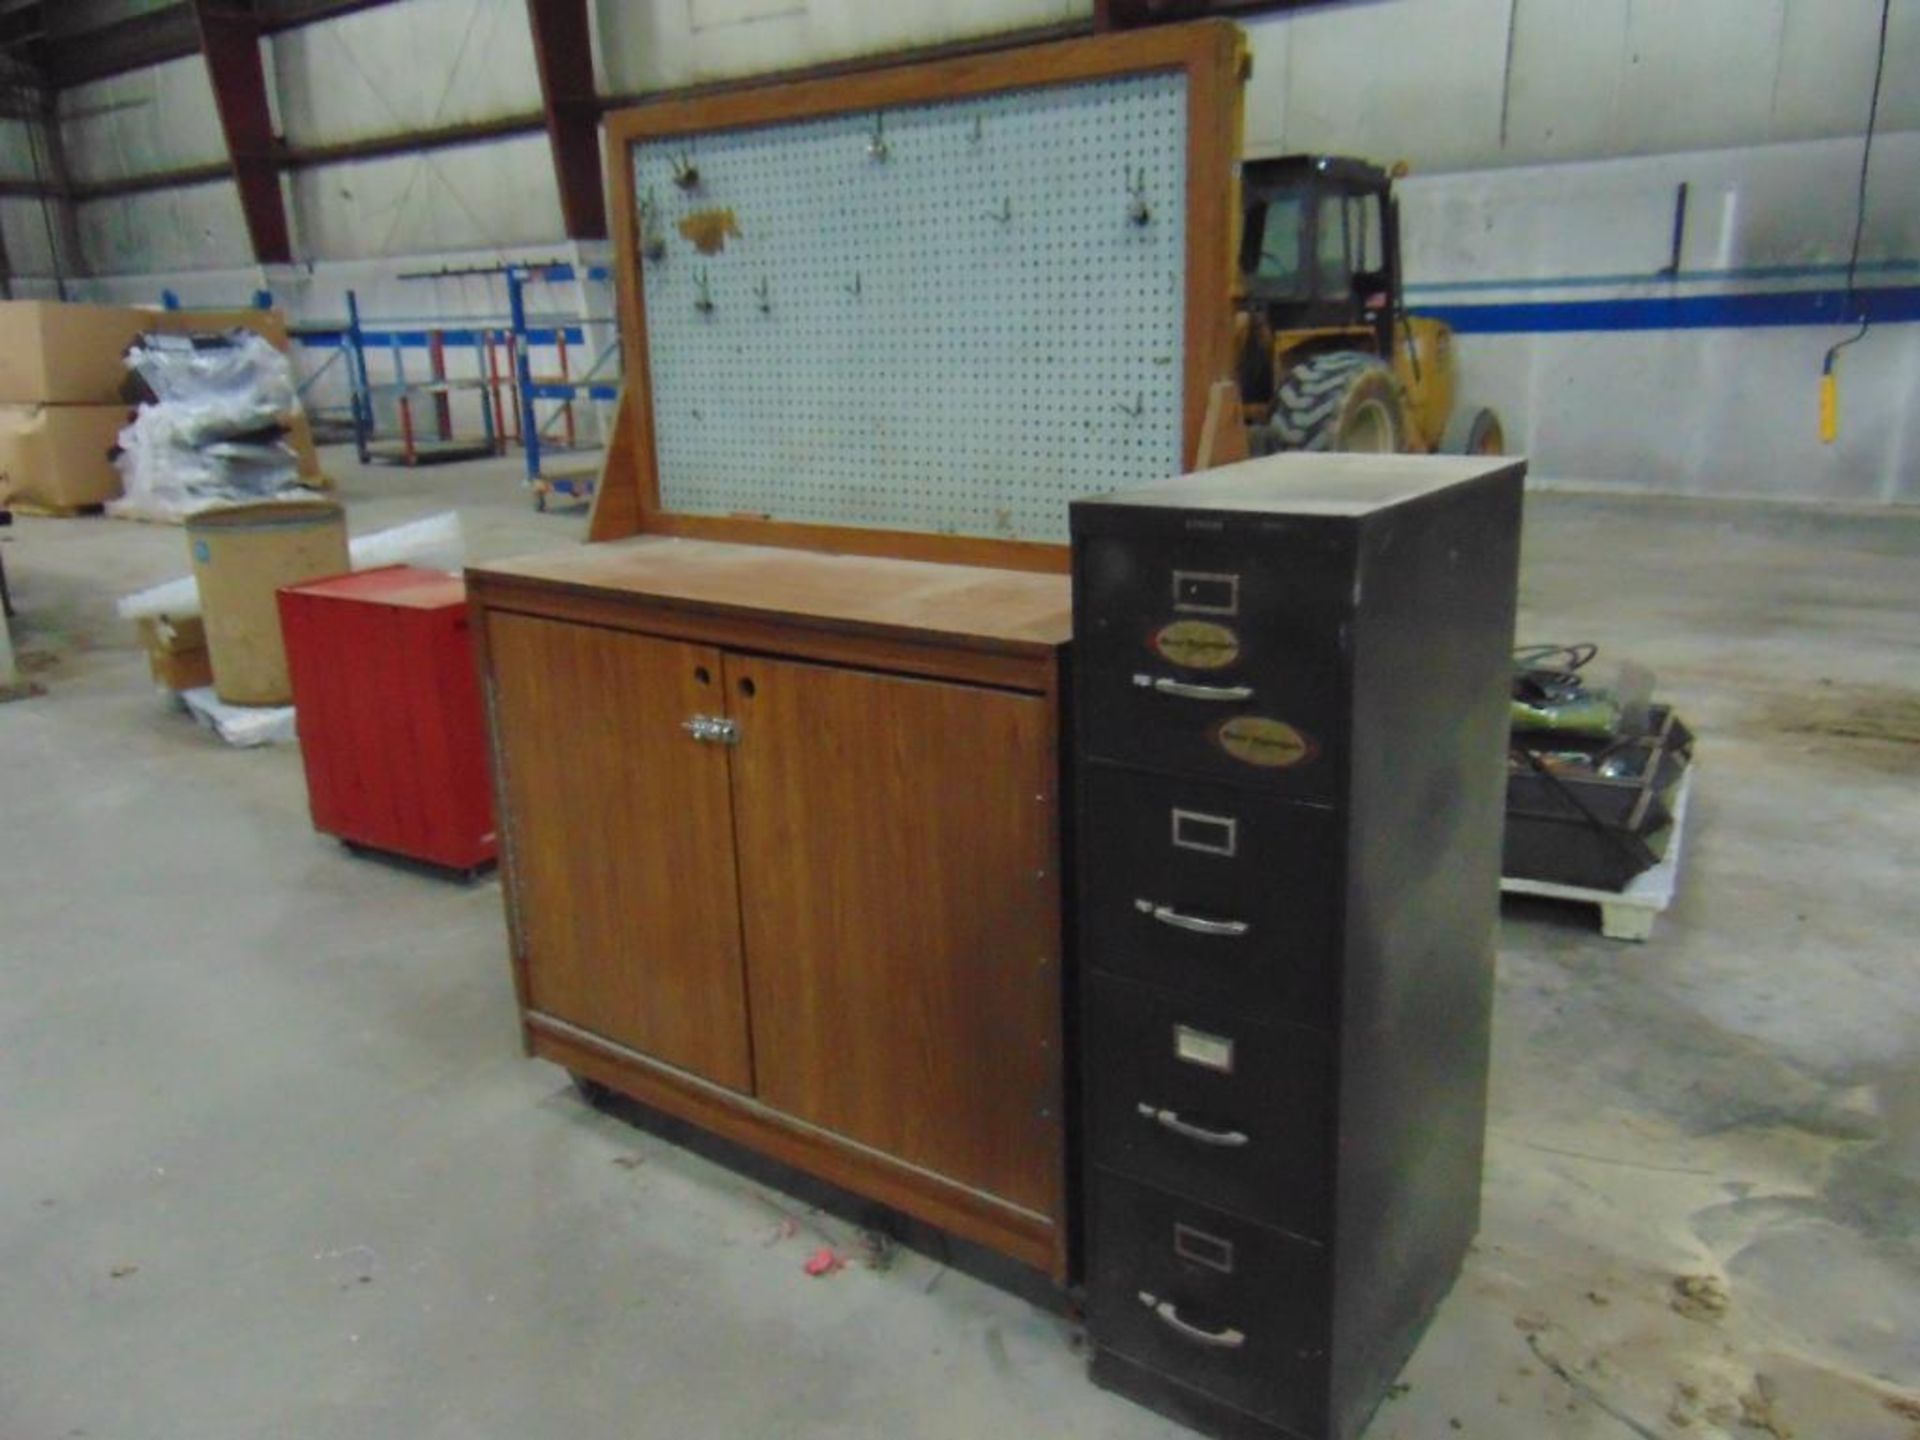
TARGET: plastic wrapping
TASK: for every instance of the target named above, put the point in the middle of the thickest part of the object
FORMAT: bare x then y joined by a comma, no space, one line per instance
164,477
215,434
217,387
244,726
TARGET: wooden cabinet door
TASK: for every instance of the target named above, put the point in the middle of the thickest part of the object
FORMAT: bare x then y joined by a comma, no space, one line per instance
621,841
902,940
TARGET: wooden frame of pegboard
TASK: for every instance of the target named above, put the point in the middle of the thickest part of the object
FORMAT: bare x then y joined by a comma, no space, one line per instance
1213,57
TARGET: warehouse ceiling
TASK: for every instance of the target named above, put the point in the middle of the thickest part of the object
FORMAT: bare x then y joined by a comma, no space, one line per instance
68,42
59,43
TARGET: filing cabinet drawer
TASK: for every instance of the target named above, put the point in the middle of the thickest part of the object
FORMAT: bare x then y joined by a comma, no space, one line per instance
1195,1098
1220,1304
1197,657
1212,891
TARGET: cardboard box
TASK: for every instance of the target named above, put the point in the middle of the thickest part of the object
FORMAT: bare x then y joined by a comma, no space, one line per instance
300,436
176,652
55,456
58,354
270,325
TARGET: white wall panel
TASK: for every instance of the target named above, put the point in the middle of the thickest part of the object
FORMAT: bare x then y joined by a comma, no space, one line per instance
1900,97
669,43
410,66
1712,411
17,150
1564,94
1756,207
154,119
1698,74
471,196
1824,70
228,288
23,229
1423,79
1706,412
1385,80
193,227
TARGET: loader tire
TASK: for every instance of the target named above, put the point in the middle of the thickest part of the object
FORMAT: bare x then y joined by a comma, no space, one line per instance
1474,432
1343,400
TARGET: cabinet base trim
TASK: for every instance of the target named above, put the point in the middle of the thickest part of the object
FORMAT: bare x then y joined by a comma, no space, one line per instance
1023,1235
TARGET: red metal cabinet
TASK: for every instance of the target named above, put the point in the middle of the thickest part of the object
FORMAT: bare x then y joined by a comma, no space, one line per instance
388,706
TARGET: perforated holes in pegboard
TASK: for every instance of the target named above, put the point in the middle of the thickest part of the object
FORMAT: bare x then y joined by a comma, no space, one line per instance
959,337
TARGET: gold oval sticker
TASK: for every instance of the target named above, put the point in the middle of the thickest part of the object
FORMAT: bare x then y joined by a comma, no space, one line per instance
1197,644
1257,740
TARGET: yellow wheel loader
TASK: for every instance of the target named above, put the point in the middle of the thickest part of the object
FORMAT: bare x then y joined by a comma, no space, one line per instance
1328,357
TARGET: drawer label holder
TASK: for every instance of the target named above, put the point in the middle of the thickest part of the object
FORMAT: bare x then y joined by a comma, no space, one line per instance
1197,644
1202,592
1211,834
1265,742
1199,1047
1201,1248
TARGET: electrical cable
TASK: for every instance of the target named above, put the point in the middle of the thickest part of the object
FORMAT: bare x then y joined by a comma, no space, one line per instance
1860,197
1574,657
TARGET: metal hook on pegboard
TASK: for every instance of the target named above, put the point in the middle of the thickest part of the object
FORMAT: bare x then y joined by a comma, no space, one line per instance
703,296
653,244
1139,211
686,174
762,298
877,148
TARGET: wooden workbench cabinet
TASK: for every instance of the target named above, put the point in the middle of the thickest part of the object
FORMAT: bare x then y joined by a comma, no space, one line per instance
779,836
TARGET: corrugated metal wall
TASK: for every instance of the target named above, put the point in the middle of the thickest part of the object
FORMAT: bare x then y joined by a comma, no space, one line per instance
1444,84
160,118
1469,84
683,42
1547,138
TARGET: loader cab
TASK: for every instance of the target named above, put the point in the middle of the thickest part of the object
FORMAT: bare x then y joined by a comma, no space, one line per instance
1320,246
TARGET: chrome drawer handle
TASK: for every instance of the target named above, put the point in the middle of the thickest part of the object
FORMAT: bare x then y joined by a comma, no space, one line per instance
714,728
1169,1316
1186,691
1198,924
1170,1120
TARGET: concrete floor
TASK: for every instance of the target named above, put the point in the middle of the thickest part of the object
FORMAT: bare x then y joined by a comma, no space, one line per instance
272,1163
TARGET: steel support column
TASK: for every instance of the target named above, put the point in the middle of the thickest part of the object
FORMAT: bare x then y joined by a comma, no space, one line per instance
230,41
563,52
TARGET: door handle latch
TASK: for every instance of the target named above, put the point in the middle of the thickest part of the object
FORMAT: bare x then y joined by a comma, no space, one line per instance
713,729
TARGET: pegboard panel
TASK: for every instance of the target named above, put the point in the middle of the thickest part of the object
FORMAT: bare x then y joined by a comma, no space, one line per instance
957,336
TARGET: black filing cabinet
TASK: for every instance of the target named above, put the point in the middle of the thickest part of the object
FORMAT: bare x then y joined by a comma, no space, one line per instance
1291,715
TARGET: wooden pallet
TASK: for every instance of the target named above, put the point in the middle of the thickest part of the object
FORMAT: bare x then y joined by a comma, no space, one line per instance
1626,914
573,482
